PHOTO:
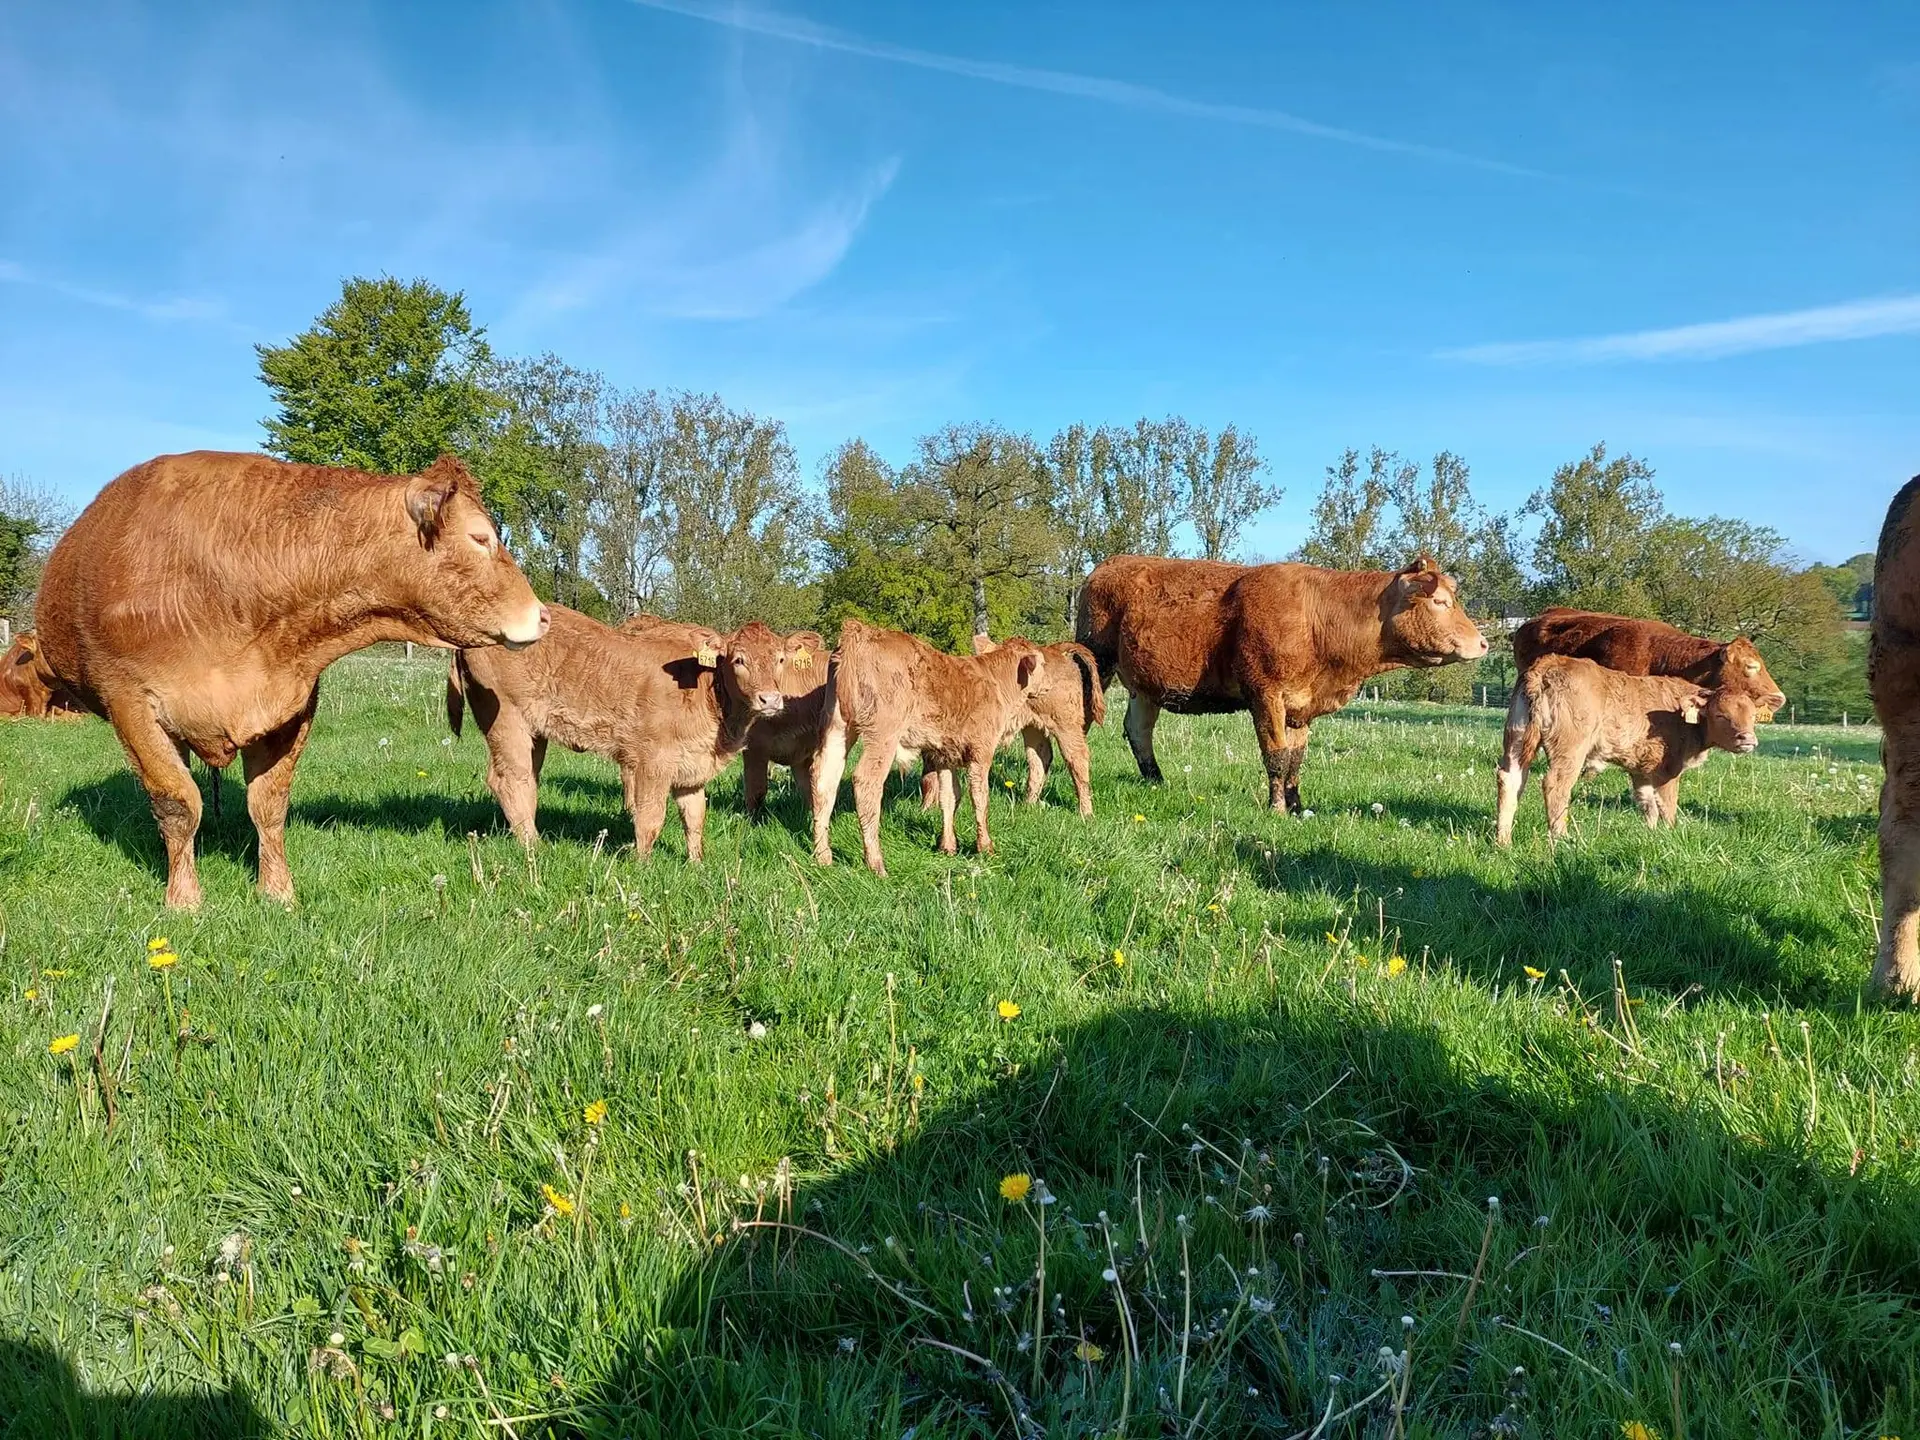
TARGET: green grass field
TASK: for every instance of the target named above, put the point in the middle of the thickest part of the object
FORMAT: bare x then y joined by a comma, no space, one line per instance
1270,1072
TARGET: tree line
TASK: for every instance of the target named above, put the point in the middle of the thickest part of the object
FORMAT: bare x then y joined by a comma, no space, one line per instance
618,499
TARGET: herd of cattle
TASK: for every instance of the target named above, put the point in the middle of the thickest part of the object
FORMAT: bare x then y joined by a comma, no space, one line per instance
196,601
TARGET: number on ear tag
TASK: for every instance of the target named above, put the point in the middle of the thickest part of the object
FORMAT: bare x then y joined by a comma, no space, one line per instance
707,657
802,658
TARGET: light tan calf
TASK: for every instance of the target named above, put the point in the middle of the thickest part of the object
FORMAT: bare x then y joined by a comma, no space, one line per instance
670,704
901,697
1589,717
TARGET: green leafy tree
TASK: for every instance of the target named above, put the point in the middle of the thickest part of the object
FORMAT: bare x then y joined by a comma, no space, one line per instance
1350,525
982,499
388,378
1595,518
626,498
31,519
871,552
1222,484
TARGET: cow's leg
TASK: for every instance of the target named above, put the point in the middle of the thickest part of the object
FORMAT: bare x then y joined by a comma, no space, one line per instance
828,766
1141,715
1522,744
1270,729
693,815
1039,749
171,790
1295,753
1670,802
753,780
513,774
869,790
1563,770
1897,971
1073,749
539,756
647,803
929,787
1647,796
268,765
945,796
802,771
980,784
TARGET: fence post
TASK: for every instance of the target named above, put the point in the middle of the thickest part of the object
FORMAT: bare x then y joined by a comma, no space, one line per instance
1843,719
409,649
6,632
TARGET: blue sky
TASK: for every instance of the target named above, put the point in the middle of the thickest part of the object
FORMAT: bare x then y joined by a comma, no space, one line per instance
1692,232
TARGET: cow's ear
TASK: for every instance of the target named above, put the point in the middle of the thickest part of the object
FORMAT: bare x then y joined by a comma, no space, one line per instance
430,492
707,650
1029,664
1692,705
1421,578
983,645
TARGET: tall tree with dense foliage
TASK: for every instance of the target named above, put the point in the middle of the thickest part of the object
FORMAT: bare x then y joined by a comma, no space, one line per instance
31,519
982,498
873,557
626,495
389,377
1595,517
1221,480
1350,517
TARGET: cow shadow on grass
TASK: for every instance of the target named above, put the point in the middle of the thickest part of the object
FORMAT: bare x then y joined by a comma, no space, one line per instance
42,1398
1272,1141
117,810
1574,910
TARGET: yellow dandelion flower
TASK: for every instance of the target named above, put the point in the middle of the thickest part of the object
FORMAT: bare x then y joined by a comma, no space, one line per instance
1397,965
562,1204
596,1112
1332,939
1015,1188
421,773
1139,819
1213,909
62,1044
162,960
1119,958
1007,1010
1638,1430
1088,1351
33,994
1007,783
159,942
1533,974
55,974
626,1211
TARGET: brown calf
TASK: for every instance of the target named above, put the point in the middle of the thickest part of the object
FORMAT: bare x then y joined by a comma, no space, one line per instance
1646,647
670,704
902,697
1893,675
195,602
26,690
1589,717
1066,703
1288,642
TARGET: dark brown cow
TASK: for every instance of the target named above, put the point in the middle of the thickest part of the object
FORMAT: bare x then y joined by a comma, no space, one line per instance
670,704
1587,717
1893,674
1646,647
1067,702
902,697
1288,642
195,602
26,690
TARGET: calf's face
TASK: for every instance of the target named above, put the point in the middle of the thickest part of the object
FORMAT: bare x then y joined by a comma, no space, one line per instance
1729,715
1424,621
753,665
471,591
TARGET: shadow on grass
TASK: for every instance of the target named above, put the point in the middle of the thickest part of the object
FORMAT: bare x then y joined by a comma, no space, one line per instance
1782,1279
1573,910
41,1398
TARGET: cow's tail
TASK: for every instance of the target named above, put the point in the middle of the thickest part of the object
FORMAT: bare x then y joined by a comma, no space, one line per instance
1101,641
456,692
1529,717
1093,690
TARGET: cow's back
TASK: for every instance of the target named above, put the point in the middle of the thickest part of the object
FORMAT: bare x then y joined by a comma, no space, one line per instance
1159,623
1893,654
1624,643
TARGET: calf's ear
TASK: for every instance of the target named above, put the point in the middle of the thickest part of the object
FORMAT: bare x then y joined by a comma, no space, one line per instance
1028,665
1692,705
983,645
429,493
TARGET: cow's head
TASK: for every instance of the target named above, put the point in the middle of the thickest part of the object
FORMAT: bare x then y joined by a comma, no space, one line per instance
472,594
1729,714
750,668
1423,620
24,689
1742,669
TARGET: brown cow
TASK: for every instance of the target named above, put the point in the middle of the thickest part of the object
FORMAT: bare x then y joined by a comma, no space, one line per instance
670,704
1646,647
27,691
1589,717
1288,642
195,602
1893,675
1064,706
902,697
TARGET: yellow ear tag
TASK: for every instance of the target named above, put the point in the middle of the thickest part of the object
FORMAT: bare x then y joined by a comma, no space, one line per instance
802,658
707,656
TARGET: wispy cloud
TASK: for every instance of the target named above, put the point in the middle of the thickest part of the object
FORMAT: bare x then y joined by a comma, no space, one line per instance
1852,320
801,31
178,308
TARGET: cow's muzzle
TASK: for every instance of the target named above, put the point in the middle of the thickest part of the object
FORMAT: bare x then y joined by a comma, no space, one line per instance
769,703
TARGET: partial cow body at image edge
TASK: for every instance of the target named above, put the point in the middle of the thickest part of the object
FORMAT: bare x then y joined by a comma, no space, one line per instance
197,599
1287,642
670,704
901,697
1062,707
1893,675
27,690
1587,717
1646,647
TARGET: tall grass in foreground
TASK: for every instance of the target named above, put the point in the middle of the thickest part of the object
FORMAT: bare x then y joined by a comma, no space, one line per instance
1188,1120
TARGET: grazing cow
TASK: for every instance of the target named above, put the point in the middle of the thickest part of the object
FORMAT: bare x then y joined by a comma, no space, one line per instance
26,690
1589,717
670,704
1063,707
1646,647
1893,675
1288,642
195,602
903,697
